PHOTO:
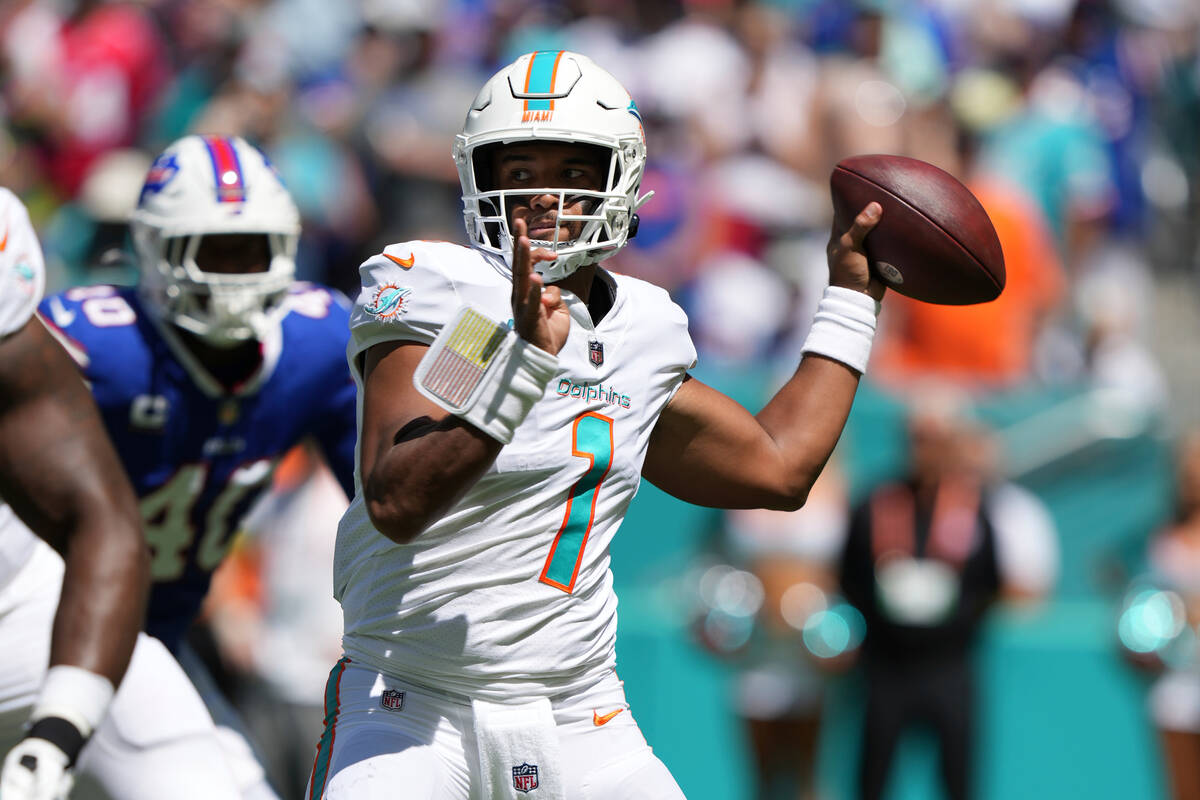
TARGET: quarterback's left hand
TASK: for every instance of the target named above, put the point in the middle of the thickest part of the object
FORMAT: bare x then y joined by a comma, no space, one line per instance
36,769
540,316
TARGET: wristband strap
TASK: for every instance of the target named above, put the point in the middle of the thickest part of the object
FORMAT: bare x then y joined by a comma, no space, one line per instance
61,733
843,327
73,694
483,372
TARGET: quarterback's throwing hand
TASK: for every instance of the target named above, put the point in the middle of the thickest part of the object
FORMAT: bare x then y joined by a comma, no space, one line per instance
539,314
35,769
848,265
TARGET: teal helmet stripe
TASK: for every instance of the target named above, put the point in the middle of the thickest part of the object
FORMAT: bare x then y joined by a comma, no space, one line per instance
540,78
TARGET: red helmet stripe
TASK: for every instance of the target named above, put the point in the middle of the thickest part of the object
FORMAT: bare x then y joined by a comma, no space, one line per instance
231,187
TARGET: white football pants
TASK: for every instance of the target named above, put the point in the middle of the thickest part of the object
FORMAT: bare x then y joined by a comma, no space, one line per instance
386,738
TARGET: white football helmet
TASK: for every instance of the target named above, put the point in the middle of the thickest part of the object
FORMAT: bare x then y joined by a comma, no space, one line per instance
554,95
204,185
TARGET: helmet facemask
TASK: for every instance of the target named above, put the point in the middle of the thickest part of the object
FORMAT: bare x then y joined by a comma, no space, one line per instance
604,217
224,309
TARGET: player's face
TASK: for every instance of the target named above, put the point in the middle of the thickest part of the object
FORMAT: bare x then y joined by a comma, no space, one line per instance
234,253
559,165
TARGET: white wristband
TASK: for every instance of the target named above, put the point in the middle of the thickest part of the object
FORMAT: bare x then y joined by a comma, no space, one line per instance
483,372
74,694
843,327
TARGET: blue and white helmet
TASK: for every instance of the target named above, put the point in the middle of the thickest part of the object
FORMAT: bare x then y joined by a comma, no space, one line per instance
558,96
202,185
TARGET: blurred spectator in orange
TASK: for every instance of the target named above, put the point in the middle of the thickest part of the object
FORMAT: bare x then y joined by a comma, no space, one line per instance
991,345
924,560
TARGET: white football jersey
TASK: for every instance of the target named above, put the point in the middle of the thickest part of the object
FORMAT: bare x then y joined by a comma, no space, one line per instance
510,593
22,273
22,280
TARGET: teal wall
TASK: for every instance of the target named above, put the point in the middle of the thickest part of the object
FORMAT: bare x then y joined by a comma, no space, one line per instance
1064,715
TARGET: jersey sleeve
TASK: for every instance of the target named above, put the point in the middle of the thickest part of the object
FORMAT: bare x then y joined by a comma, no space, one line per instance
22,270
658,333
667,332
683,349
676,322
406,296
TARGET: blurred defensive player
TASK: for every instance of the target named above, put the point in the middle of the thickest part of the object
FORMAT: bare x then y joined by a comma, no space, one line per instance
216,365
507,416
61,476
58,473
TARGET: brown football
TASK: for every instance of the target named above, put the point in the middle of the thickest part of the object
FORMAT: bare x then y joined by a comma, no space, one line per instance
934,243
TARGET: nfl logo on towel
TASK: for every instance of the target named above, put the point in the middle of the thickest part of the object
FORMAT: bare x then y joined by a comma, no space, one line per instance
525,777
596,352
392,699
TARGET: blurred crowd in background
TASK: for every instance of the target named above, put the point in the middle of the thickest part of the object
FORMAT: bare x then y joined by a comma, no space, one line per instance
1074,121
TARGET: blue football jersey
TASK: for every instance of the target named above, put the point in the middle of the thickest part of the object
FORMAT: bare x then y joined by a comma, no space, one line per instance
200,455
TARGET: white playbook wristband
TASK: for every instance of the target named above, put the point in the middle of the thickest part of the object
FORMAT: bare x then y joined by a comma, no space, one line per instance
843,327
483,372
75,694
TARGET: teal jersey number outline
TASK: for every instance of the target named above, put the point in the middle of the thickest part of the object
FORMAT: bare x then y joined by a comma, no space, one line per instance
591,438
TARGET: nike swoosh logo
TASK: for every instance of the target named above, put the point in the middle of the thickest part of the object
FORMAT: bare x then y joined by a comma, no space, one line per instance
600,719
403,263
4,241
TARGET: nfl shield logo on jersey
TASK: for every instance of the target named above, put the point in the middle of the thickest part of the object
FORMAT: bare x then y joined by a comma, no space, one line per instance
596,352
525,777
392,699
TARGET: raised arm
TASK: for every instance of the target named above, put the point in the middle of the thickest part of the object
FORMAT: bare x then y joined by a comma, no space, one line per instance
709,450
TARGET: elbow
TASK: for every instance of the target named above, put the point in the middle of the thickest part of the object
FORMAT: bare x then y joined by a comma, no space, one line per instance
109,545
399,508
393,520
793,494
125,541
790,500
131,542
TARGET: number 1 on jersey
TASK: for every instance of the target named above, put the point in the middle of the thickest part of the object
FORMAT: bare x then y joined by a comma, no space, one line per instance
591,438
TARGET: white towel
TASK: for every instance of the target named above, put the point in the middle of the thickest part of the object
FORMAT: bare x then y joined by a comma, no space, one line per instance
518,751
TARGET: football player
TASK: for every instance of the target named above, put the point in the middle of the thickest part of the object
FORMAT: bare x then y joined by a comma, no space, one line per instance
60,475
513,394
208,371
